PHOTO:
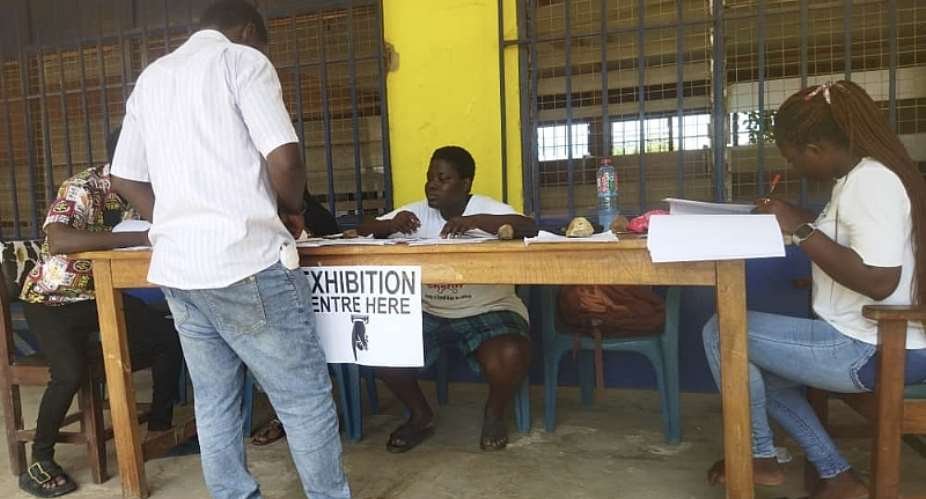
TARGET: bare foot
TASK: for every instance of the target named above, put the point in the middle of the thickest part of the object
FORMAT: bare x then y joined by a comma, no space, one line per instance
765,471
842,486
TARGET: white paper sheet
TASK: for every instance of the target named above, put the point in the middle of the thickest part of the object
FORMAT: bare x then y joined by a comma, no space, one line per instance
685,238
688,207
369,315
544,237
132,226
450,241
357,241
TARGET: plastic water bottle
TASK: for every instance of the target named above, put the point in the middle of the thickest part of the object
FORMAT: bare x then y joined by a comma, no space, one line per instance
607,194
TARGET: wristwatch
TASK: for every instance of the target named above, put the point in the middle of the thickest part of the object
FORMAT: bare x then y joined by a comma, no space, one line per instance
802,233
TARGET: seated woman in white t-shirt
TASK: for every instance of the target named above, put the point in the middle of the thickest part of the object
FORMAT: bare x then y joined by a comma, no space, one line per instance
487,323
867,247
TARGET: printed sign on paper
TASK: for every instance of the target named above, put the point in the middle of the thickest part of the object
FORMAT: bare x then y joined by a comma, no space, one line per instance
369,315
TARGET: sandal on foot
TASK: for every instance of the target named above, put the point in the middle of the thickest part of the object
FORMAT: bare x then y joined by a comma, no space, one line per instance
46,479
494,433
408,436
270,433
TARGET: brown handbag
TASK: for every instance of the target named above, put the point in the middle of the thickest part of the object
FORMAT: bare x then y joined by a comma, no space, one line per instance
609,312
618,311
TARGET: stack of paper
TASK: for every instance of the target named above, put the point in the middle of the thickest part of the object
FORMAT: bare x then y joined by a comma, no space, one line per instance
688,207
684,238
370,241
358,241
549,237
450,241
133,226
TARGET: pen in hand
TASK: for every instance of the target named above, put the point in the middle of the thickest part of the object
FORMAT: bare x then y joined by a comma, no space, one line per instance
768,197
774,184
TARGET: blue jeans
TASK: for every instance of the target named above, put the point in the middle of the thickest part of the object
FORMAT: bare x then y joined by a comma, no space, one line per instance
263,322
785,355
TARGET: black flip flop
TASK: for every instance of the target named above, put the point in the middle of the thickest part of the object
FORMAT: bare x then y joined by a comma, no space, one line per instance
494,435
407,437
33,480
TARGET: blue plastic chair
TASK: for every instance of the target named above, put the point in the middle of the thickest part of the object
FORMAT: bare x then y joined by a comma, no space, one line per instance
347,383
522,399
660,349
522,403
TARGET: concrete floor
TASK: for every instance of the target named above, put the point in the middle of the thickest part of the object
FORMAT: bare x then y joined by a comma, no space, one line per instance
614,449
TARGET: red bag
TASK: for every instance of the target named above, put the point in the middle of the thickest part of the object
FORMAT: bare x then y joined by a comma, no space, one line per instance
641,224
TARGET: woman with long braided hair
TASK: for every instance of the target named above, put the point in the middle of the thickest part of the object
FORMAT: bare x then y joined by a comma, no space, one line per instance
868,246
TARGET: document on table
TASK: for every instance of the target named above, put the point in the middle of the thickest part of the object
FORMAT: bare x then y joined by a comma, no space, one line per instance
316,242
686,238
689,207
544,237
132,226
449,241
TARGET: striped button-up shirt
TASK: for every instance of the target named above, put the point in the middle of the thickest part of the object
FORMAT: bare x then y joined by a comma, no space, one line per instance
198,126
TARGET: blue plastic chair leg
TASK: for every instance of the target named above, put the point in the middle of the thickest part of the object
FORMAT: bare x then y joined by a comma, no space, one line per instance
441,378
340,386
656,360
586,367
247,404
550,383
522,406
673,410
369,376
669,405
347,378
355,403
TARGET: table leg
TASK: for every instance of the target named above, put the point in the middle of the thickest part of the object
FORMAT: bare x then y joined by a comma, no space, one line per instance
119,383
734,358
889,388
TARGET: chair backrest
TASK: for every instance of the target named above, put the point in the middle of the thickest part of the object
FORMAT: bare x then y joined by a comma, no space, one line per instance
17,259
915,391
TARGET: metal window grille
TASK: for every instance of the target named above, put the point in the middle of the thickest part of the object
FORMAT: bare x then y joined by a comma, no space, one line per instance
633,70
67,68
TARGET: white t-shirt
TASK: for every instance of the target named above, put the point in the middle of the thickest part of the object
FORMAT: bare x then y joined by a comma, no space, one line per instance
455,301
869,212
198,125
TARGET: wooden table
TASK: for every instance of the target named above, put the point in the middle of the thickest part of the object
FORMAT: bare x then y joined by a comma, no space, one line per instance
496,262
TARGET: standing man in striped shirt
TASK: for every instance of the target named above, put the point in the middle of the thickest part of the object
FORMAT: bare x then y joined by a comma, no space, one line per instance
209,155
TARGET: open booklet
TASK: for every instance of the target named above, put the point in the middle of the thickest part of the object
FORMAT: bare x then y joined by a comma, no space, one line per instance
449,241
133,226
470,238
689,207
315,242
543,237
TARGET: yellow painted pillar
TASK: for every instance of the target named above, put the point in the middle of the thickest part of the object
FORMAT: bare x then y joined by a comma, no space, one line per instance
444,89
